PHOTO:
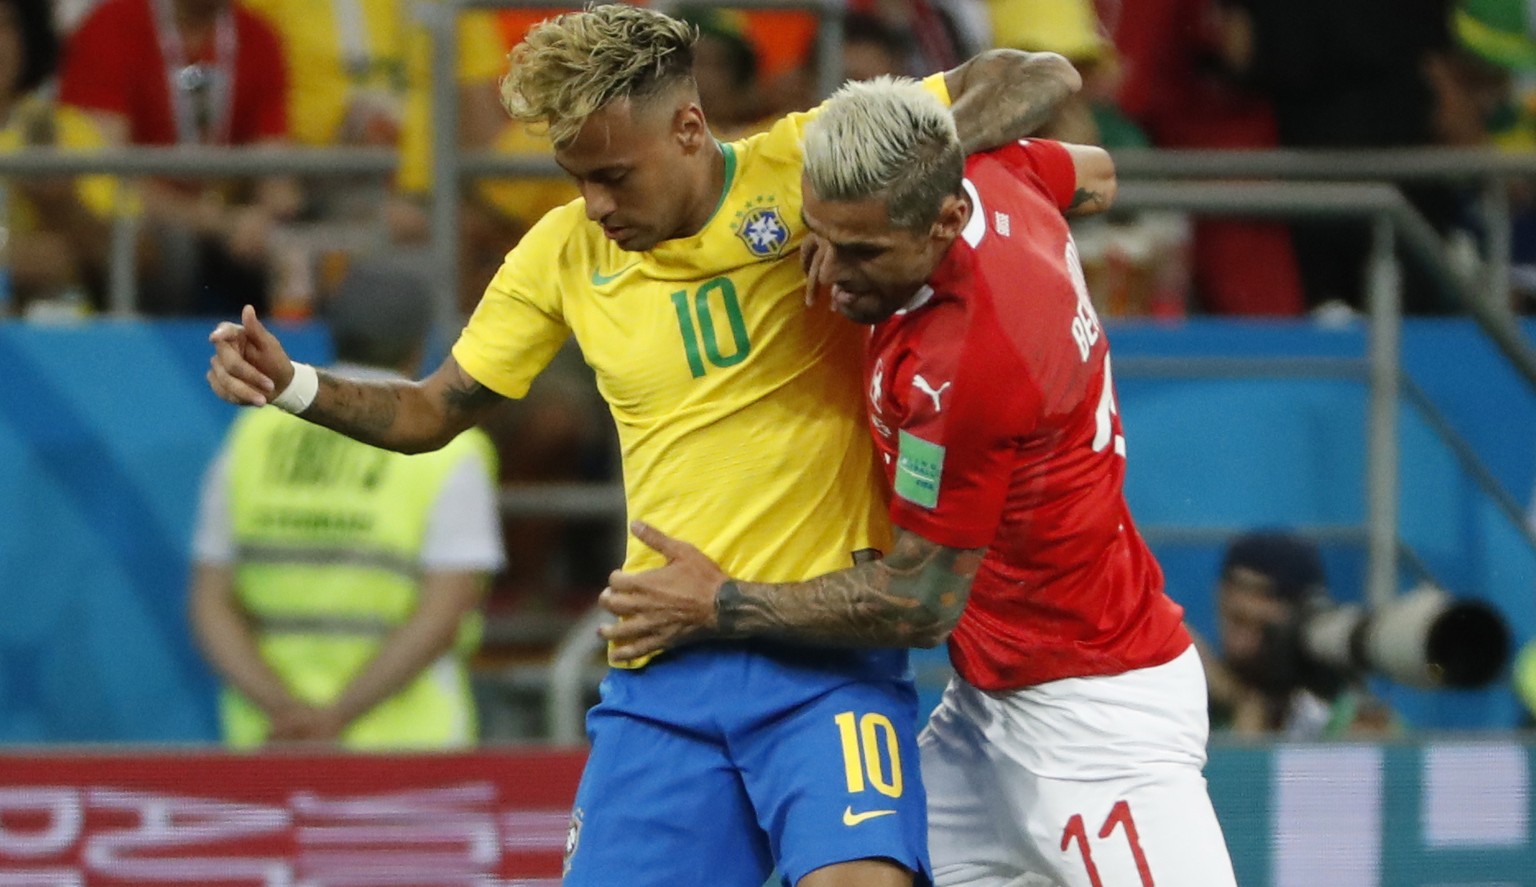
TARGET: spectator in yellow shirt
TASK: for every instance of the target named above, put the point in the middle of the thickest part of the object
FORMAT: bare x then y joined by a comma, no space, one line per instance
57,230
360,75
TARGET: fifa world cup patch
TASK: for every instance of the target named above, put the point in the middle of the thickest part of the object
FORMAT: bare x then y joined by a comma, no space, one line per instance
761,227
919,469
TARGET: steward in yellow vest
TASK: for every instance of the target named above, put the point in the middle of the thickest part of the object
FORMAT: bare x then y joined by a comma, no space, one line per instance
337,584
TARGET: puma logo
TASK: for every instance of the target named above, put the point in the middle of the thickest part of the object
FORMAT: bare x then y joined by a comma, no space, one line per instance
922,385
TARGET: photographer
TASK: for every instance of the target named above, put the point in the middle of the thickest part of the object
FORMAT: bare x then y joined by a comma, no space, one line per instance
1260,683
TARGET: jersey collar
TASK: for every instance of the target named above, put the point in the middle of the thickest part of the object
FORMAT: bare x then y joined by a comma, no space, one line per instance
729,151
918,300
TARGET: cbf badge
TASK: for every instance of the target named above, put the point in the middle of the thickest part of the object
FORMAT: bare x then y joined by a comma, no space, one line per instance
572,840
762,228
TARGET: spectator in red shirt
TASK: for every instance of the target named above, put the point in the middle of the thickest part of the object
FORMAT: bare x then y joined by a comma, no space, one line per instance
190,72
1178,88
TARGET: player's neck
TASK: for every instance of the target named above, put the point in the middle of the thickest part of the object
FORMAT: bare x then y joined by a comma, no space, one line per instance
709,196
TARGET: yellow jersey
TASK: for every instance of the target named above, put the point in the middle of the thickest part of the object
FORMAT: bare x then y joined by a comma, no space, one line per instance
739,410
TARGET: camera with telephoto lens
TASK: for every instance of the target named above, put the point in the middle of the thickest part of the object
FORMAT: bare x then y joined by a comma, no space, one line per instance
1424,638
1274,582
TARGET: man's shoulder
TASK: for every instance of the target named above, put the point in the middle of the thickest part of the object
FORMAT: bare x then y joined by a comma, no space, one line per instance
952,328
564,231
776,151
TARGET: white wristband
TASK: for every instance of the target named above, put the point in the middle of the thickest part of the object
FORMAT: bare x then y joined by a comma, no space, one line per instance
301,391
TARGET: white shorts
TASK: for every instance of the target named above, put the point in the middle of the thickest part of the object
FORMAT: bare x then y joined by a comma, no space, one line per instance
1082,782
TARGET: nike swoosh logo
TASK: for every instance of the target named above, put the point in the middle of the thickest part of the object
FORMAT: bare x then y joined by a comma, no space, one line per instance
601,279
851,818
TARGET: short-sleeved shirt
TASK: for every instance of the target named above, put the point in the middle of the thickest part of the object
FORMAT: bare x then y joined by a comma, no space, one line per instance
114,63
738,410
992,406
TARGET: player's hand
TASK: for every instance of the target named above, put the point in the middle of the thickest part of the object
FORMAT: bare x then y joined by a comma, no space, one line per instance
249,366
813,261
664,607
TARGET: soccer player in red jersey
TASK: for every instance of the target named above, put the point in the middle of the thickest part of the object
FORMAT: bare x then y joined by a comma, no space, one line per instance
1069,747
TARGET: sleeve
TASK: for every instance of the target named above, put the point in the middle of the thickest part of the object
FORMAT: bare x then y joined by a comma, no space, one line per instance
518,325
464,529
1050,163
957,446
94,61
213,540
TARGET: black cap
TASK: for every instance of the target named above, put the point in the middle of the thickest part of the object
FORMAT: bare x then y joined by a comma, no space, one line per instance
380,313
1291,562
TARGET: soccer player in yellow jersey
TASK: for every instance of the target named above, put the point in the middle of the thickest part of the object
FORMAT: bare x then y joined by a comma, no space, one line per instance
677,274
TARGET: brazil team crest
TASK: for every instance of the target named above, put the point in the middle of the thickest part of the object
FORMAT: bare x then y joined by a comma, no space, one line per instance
761,227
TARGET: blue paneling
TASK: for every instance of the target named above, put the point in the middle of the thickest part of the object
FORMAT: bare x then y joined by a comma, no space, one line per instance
104,432
105,429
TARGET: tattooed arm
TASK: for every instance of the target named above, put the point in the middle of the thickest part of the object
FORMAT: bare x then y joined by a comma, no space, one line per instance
408,417
1096,182
911,598
1003,95
249,367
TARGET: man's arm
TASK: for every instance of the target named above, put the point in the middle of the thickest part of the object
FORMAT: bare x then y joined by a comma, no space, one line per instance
1003,95
911,598
446,598
1096,181
249,367
226,639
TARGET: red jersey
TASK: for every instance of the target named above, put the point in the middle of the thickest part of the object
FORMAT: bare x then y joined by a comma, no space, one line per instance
992,406
231,90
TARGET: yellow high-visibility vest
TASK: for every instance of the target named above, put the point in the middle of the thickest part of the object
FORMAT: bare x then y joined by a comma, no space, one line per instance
328,535
1525,676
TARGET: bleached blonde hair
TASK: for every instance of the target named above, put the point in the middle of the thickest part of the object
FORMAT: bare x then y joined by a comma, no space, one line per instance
571,66
890,138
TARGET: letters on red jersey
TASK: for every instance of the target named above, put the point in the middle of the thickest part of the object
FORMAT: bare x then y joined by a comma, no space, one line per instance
992,405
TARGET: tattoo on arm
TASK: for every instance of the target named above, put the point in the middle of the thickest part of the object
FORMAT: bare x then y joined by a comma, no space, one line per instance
913,598
1087,202
362,410
468,397
1008,96
395,414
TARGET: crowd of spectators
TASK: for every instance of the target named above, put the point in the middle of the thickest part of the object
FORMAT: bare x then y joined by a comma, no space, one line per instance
1231,74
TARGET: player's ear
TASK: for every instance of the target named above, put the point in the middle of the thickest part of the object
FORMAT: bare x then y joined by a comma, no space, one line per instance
952,216
690,128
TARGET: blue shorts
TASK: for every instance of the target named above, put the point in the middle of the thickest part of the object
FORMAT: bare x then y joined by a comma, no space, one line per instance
715,763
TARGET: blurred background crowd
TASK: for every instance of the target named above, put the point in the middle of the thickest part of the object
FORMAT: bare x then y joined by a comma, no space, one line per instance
1162,74
1232,74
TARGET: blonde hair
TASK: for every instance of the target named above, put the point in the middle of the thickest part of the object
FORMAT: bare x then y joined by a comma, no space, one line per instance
887,137
571,66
